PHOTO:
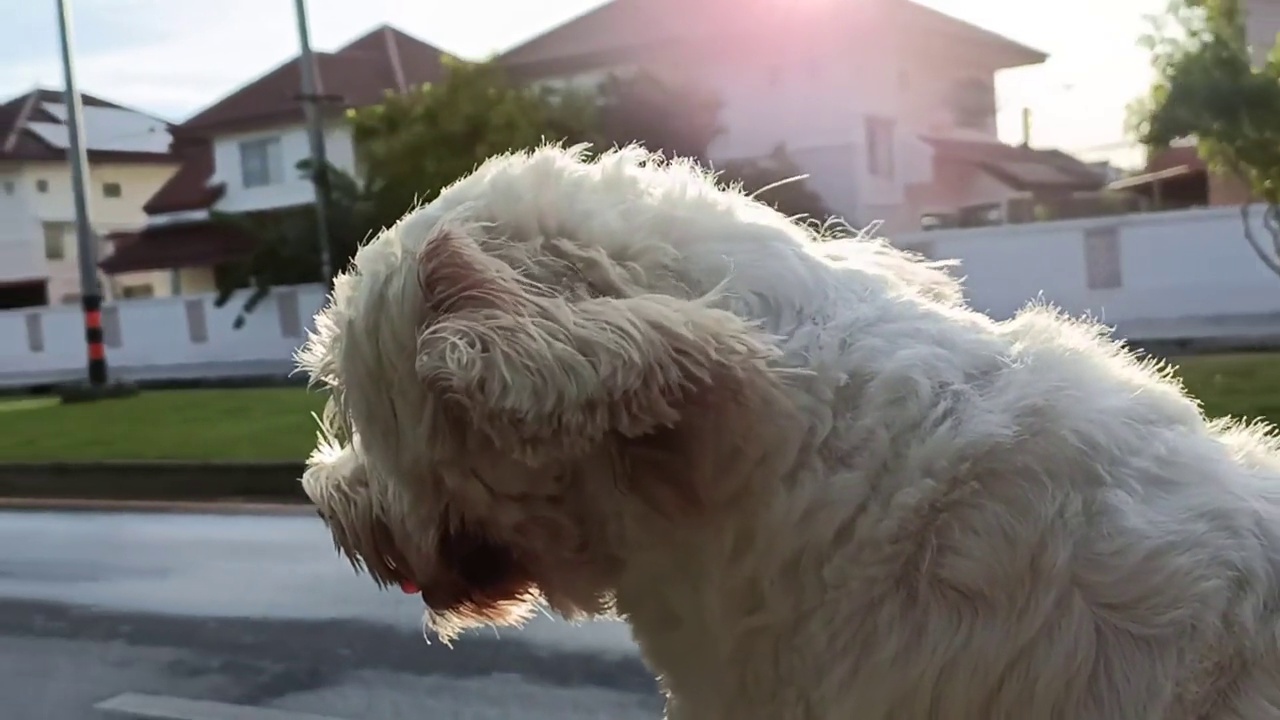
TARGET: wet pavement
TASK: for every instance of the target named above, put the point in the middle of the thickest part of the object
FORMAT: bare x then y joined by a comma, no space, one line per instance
223,617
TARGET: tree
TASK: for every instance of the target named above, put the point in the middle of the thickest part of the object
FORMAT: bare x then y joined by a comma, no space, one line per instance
676,119
409,148
1208,89
286,250
413,145
778,181
679,119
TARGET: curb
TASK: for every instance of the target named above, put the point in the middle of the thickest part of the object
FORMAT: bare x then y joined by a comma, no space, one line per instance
229,506
152,481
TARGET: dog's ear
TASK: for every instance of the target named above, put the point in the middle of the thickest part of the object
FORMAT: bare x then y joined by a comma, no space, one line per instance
546,378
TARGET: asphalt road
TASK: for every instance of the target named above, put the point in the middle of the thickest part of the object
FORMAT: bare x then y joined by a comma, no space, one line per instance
217,617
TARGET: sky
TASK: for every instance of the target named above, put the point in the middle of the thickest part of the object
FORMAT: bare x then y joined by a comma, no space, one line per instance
172,57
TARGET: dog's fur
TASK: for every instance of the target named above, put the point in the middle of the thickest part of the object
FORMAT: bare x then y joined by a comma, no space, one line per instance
815,484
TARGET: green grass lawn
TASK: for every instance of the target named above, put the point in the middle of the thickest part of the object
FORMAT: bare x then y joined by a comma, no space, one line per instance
276,424
1246,385
266,424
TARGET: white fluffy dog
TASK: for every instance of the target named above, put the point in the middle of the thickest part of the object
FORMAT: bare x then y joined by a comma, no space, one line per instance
815,483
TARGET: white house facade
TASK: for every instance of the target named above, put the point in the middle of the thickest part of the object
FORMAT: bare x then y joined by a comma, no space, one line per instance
241,156
855,91
129,160
259,168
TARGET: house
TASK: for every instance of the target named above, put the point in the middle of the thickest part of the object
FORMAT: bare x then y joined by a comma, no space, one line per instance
240,155
889,106
1177,178
129,159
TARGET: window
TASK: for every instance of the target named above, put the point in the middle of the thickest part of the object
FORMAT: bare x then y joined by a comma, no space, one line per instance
261,162
137,291
55,240
111,190
42,186
973,103
879,147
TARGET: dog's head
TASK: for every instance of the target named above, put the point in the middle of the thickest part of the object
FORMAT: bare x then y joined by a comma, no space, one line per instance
506,410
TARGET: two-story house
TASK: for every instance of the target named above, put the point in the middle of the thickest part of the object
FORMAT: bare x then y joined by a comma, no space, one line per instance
129,159
889,106
240,155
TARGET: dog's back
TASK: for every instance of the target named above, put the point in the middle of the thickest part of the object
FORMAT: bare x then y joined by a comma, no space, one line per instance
989,520
1048,529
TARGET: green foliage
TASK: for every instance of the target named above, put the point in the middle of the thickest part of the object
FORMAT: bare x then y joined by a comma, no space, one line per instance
682,120
1207,89
408,149
668,117
288,247
415,144
777,181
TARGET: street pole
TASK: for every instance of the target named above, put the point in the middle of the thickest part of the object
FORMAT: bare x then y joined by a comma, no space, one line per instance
315,131
86,245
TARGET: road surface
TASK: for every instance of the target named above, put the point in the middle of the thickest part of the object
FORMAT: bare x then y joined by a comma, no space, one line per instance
223,617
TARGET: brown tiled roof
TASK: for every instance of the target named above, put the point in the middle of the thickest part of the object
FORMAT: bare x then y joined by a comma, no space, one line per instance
357,75
190,187
1015,54
177,246
1143,181
22,282
596,37
1172,164
1174,157
19,142
1021,167
613,26
384,59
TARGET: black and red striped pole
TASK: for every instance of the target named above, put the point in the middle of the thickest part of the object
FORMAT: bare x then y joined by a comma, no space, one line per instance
86,242
93,336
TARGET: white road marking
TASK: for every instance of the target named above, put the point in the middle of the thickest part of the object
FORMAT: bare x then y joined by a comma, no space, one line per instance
162,707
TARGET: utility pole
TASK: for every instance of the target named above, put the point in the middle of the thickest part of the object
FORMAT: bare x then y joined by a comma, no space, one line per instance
86,242
315,131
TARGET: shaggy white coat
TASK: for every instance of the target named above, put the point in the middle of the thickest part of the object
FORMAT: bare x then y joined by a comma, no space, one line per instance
814,482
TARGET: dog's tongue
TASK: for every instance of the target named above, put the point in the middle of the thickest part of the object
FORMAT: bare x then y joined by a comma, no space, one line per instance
408,587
